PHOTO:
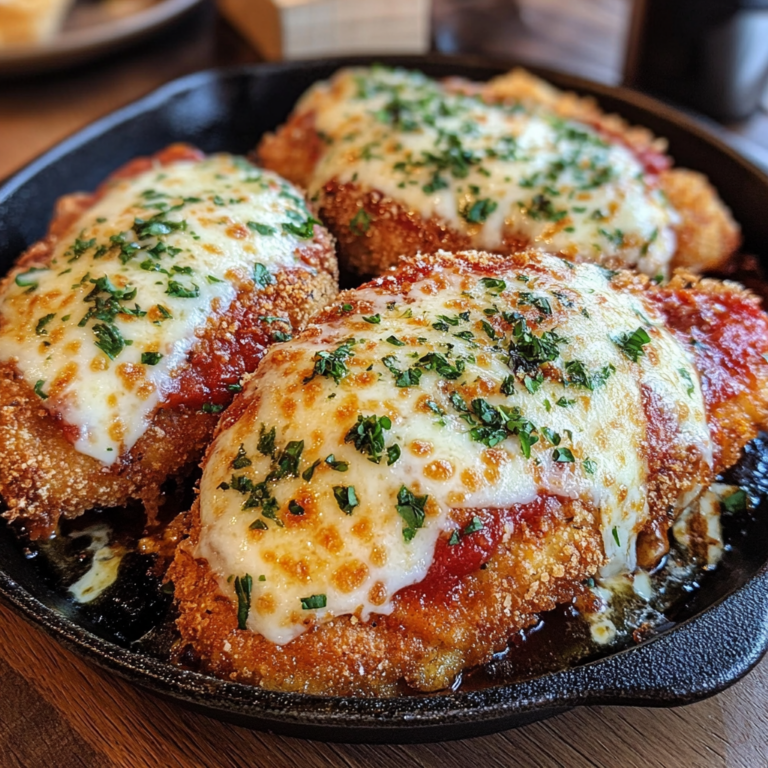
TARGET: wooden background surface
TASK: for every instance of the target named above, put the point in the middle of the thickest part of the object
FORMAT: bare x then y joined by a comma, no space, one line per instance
57,711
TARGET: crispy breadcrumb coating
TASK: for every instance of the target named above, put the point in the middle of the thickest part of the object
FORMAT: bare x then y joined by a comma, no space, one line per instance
43,477
706,232
440,627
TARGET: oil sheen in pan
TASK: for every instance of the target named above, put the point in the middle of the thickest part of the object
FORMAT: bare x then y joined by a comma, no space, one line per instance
112,574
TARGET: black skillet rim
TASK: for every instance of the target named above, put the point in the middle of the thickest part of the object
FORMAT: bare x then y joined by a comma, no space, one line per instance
697,658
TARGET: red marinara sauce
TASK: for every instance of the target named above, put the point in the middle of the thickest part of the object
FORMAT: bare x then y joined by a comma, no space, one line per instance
727,333
473,550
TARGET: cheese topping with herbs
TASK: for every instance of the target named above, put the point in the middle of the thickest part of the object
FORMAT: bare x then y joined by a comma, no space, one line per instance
329,492
100,333
490,171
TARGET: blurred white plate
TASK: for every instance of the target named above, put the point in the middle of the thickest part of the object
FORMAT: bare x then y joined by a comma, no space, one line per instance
93,28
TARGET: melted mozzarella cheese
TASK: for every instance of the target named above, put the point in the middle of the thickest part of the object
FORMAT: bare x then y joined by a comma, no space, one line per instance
425,361
102,331
490,170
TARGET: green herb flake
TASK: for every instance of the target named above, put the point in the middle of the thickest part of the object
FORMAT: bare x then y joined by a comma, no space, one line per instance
360,222
563,455
243,587
632,344
39,389
589,466
615,532
411,509
346,498
338,465
262,276
181,291
295,508
262,229
241,461
735,502
42,322
313,602
151,358
686,376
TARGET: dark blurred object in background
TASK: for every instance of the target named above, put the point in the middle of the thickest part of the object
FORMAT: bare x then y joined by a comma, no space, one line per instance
581,37
709,54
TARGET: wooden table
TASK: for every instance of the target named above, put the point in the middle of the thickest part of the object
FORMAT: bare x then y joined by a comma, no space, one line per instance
57,711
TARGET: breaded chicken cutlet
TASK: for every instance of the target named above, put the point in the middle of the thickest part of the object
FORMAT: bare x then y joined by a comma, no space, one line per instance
449,450
401,164
127,329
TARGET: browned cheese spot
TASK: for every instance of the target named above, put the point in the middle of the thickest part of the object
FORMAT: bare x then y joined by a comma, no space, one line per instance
349,576
439,469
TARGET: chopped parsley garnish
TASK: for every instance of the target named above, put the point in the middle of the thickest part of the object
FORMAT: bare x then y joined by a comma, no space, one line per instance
393,454
373,319
234,387
589,466
313,601
258,525
615,532
563,455
632,344
492,284
360,222
735,502
474,525
262,276
690,389
508,385
479,211
109,339
182,292
367,435
346,498
564,402
394,341
411,509
151,358
27,279
39,389
332,364
295,508
338,465
241,461
212,408
528,351
266,444
262,229
288,461
577,375
243,587
304,229
310,470
42,322
435,361
409,378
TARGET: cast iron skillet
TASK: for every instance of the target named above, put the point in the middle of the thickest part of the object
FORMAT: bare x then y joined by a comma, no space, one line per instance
722,628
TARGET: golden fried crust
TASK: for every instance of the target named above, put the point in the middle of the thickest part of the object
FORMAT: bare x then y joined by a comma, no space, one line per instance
43,477
439,628
707,233
427,640
729,331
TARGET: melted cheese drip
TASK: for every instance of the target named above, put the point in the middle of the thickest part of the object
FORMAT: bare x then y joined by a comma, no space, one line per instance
359,560
490,171
183,268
